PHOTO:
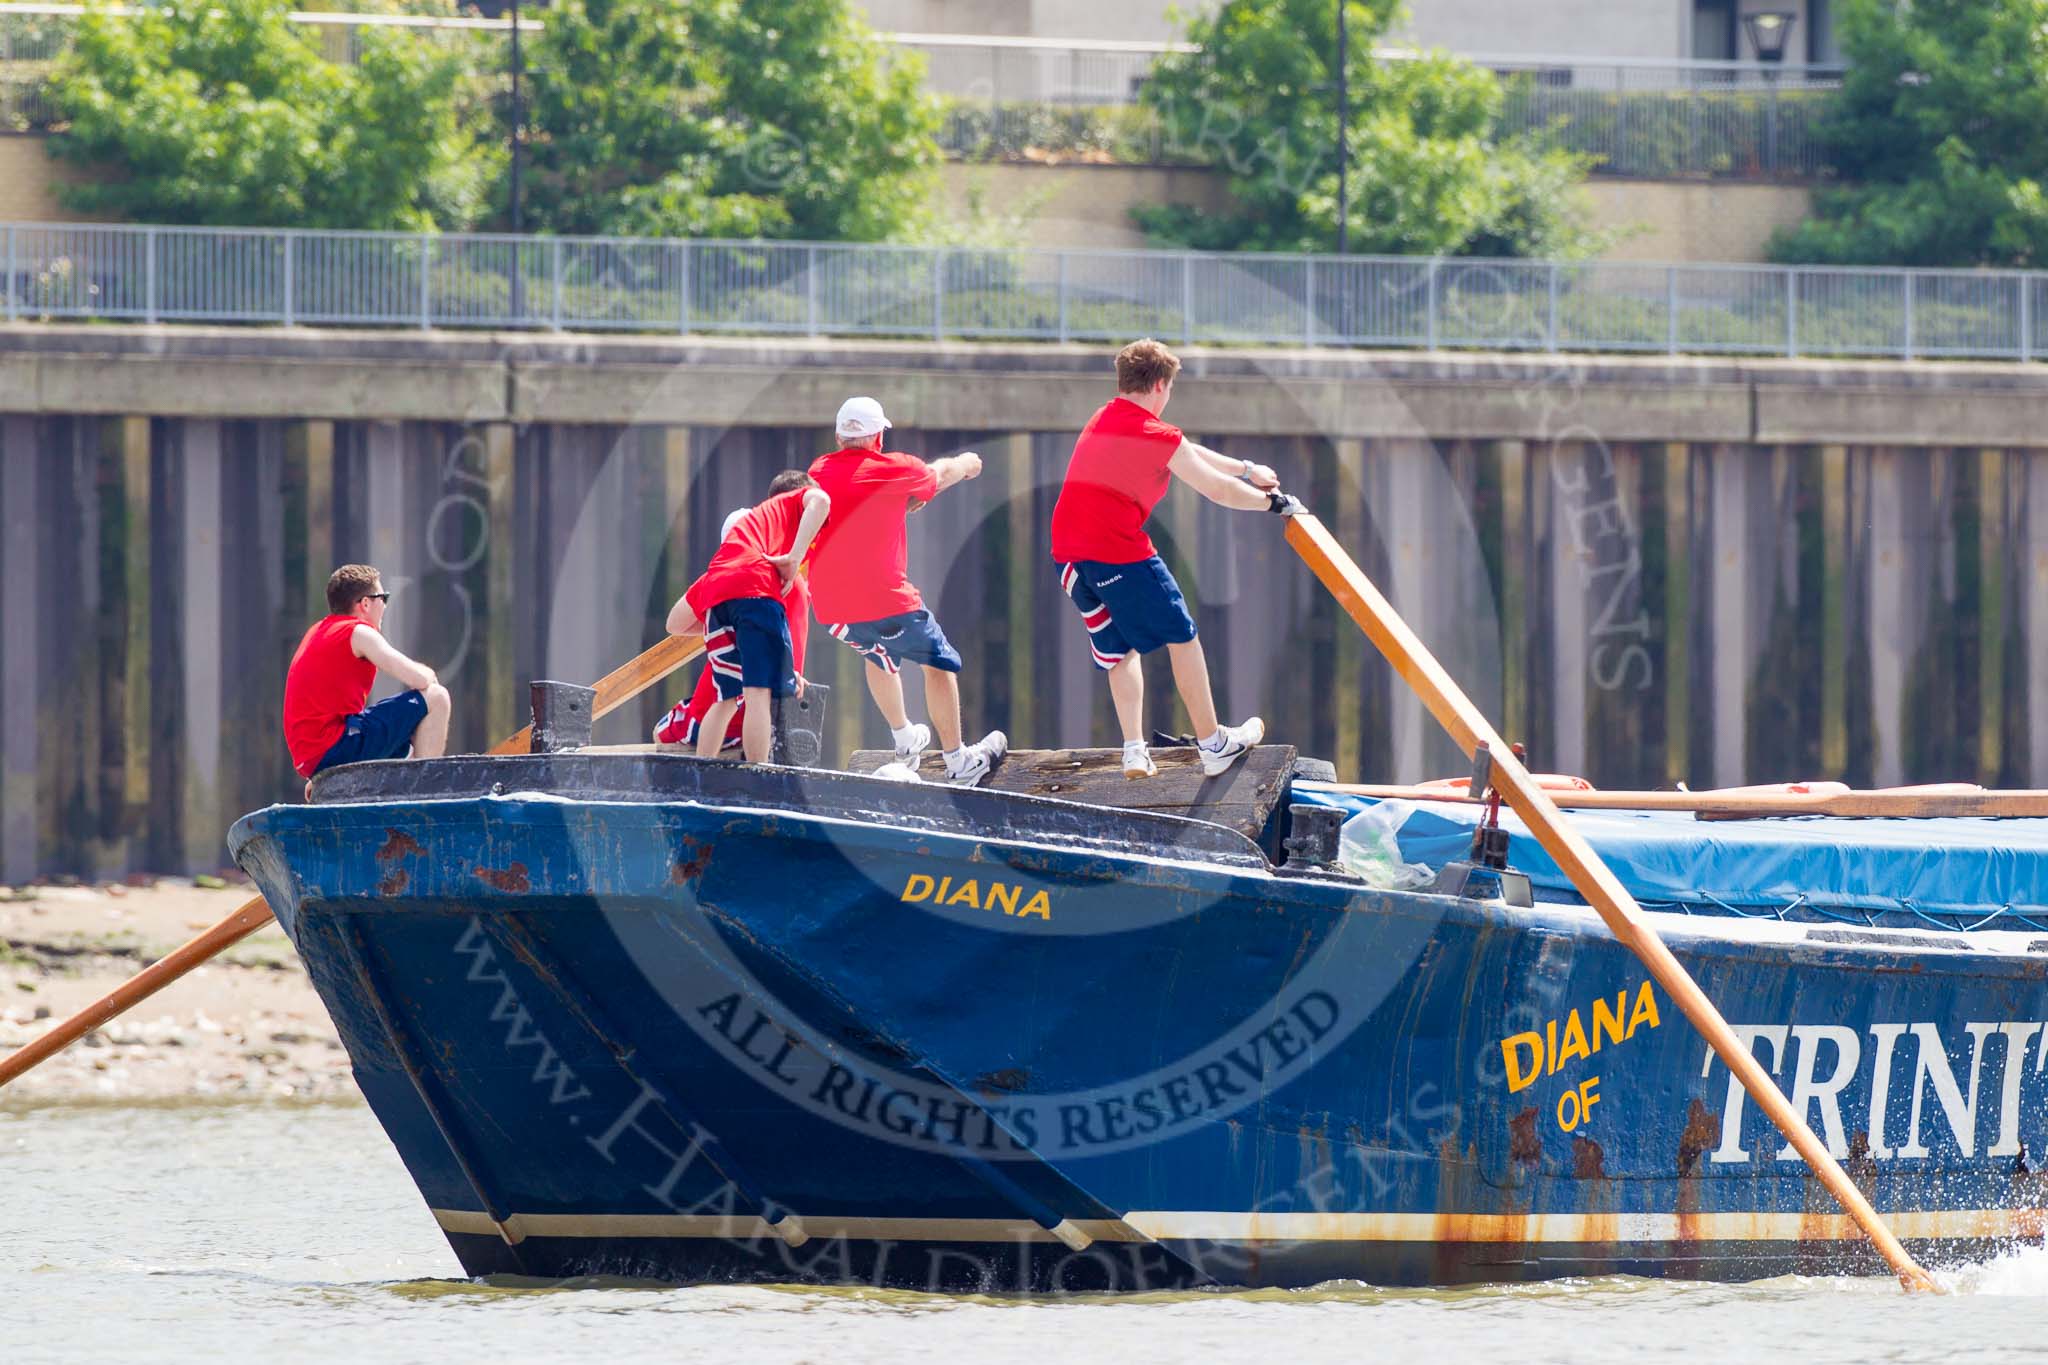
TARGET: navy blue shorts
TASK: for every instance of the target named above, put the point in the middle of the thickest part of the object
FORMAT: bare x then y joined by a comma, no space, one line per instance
747,642
910,637
1127,607
382,731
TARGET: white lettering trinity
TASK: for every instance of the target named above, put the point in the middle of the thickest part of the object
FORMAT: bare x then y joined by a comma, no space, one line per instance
1826,1058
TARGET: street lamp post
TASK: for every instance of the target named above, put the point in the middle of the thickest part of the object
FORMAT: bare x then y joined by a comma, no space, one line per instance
517,118
1769,31
1343,133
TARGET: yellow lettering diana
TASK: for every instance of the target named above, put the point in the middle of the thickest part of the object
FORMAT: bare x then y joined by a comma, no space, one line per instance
1531,1055
1645,1010
1574,1040
1007,897
1522,1074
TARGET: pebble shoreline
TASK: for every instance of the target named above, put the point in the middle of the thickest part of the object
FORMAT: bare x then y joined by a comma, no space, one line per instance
246,1026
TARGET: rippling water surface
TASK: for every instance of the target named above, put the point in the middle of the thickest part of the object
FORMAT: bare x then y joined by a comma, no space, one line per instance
196,1232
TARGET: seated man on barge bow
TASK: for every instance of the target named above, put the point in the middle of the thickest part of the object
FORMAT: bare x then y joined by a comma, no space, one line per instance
326,721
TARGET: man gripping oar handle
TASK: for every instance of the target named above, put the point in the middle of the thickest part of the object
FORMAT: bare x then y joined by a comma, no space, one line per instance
614,690
1624,918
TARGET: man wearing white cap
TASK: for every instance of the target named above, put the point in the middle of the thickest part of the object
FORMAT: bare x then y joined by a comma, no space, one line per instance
862,593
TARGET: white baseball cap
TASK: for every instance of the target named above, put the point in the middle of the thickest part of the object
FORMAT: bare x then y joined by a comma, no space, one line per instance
860,417
732,519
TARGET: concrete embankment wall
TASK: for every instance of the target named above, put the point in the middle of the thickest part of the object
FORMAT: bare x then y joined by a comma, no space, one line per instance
1087,205
1711,570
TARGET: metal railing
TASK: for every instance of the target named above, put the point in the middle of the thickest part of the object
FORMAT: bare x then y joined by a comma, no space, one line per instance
382,279
1019,98
1746,120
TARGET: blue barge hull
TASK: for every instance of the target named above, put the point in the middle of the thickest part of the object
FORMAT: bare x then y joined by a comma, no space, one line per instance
629,1014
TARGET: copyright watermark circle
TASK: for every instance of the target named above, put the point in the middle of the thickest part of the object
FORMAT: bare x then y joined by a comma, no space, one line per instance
1000,997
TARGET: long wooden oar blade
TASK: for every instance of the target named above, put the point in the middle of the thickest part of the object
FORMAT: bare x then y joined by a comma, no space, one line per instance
614,690
1897,805
1594,880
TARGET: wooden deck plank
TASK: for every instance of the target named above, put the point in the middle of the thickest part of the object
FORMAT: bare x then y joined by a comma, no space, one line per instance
1242,799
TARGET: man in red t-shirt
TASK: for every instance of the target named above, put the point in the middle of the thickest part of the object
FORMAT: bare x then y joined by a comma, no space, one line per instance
683,724
737,605
331,673
861,588
1121,467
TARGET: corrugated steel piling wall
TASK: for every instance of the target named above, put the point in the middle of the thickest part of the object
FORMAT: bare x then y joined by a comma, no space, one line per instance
1637,607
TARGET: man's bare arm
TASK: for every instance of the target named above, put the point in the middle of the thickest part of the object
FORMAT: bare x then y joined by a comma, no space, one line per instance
369,643
1212,483
956,469
1259,476
682,619
817,506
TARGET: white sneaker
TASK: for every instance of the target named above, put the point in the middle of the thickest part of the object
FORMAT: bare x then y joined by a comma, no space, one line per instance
921,739
978,759
1238,740
1138,761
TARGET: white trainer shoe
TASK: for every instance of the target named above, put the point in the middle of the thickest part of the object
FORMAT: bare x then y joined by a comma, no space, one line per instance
978,759
1238,740
1138,760
921,739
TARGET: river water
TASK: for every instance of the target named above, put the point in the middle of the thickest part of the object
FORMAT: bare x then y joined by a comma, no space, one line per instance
192,1232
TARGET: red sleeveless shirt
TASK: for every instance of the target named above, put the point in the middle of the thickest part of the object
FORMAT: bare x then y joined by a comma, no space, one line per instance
325,685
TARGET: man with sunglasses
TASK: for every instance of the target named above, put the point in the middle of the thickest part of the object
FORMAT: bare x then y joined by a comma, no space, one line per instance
325,720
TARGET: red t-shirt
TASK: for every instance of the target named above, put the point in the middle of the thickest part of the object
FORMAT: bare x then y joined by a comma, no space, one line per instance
739,567
1116,477
797,602
325,685
860,568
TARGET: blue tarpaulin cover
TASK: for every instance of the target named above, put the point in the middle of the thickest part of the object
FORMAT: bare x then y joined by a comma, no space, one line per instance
1970,868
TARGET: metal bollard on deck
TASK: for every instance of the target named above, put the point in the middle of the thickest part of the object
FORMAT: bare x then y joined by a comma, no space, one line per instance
799,726
562,716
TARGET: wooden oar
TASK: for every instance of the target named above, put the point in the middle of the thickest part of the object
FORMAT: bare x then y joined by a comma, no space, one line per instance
616,688
1716,805
1391,635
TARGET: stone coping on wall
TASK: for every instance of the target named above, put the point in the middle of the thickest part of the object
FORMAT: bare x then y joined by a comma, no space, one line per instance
465,376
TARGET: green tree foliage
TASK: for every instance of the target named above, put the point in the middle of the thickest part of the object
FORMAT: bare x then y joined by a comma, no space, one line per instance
223,112
1940,135
724,118
1430,172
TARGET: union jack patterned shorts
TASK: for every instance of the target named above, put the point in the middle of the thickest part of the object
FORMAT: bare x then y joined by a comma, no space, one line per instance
910,637
746,642
1127,607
